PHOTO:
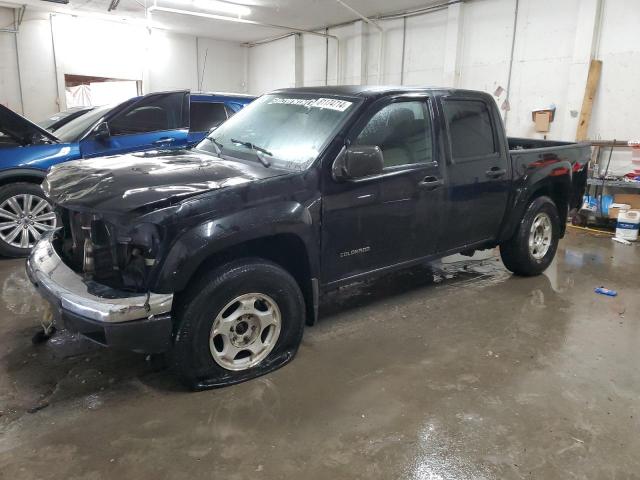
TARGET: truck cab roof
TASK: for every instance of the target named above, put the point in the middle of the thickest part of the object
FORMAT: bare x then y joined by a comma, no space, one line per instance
377,91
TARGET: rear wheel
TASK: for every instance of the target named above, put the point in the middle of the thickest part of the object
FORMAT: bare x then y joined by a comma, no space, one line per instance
242,320
534,244
24,216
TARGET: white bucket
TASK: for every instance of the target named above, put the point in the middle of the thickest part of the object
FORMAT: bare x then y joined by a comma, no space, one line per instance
628,225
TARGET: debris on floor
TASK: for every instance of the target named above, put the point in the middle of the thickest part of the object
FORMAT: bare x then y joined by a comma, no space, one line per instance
606,291
621,240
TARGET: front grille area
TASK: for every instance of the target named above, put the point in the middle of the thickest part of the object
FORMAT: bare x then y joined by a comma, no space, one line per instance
90,246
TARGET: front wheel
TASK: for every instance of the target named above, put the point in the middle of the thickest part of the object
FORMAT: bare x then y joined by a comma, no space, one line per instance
25,215
242,320
534,244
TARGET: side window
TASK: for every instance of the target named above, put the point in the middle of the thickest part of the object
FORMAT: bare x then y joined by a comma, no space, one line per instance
402,131
155,114
470,128
205,116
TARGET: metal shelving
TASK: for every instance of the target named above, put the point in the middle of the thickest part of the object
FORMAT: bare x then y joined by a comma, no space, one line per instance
613,183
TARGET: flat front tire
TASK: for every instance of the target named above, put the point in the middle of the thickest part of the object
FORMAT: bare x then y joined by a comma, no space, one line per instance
532,248
240,321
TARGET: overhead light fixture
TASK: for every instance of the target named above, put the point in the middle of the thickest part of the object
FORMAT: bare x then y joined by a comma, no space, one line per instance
220,6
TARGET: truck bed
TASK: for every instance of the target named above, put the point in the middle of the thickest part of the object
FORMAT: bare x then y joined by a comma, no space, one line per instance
516,143
553,158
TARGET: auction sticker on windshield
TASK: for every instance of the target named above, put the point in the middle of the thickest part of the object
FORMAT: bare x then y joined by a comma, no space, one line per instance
330,103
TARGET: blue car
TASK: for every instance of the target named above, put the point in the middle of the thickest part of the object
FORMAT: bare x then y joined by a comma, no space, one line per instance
168,120
60,119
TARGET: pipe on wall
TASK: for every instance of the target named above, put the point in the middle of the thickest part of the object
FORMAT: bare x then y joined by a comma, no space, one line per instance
326,35
17,22
380,30
392,16
597,30
513,46
61,100
404,43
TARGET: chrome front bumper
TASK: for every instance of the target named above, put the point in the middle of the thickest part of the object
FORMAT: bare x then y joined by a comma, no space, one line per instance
67,291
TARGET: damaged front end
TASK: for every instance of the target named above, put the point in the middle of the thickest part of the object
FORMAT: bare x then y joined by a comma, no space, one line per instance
112,309
96,272
108,250
119,219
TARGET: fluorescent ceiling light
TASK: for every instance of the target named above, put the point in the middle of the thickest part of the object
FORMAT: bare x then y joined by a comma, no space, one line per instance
220,6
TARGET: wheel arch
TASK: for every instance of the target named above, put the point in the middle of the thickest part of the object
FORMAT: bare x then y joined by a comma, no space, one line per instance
26,175
287,250
557,189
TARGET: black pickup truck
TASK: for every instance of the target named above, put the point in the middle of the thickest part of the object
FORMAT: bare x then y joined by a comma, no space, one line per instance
220,254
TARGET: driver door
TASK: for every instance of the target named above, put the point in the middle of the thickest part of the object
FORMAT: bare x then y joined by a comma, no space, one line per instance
379,221
156,121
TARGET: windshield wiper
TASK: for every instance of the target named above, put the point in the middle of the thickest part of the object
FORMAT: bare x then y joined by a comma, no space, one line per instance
258,151
217,145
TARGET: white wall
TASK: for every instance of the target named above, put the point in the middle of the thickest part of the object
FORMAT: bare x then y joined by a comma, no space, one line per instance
100,48
172,62
466,46
50,46
314,60
425,49
272,65
486,23
469,46
546,31
351,62
9,81
37,68
393,33
616,111
224,69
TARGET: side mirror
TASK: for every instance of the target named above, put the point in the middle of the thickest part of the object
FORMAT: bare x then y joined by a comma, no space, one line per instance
102,131
358,161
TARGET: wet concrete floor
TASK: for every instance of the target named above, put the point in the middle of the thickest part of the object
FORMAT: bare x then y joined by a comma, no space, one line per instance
457,372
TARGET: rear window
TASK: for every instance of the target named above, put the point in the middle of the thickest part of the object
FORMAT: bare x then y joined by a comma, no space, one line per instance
205,116
470,128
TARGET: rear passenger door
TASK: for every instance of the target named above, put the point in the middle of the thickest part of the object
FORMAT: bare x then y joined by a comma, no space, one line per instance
477,171
156,121
204,117
375,222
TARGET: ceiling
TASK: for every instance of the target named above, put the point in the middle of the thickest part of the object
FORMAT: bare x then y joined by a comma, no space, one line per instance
301,14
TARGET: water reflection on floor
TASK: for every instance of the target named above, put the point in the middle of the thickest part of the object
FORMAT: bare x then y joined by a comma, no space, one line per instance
454,370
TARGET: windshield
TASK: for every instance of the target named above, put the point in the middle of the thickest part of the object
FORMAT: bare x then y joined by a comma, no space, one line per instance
76,127
61,116
288,130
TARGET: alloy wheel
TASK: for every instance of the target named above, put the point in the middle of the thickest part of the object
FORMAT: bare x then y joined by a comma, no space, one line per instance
540,236
24,218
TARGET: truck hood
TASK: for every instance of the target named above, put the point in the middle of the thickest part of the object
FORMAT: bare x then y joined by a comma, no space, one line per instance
124,183
22,130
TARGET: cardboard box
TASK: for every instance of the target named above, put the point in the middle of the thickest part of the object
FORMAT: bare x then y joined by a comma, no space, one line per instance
631,199
542,121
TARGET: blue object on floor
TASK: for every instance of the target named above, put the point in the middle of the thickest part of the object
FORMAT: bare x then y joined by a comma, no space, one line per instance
606,291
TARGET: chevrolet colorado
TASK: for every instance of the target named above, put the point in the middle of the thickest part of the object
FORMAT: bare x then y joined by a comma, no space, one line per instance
219,255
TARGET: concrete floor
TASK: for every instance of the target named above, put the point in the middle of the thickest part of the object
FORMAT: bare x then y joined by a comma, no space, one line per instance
460,372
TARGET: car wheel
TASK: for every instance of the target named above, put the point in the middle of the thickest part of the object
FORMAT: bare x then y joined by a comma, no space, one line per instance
242,320
25,215
533,246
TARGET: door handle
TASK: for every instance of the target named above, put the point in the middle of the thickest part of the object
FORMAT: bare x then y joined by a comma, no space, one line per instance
495,172
431,183
162,141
